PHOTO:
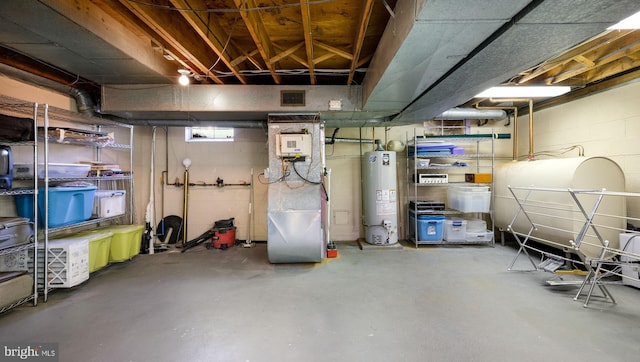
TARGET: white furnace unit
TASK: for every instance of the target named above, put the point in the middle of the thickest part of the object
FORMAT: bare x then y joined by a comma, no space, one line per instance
380,198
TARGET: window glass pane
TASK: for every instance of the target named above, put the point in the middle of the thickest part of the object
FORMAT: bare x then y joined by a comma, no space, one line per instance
208,134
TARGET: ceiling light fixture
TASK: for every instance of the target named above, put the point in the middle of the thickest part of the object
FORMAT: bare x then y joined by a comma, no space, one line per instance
524,92
632,22
184,77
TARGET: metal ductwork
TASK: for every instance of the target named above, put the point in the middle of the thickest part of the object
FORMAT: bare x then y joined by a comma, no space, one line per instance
471,113
84,103
533,32
196,123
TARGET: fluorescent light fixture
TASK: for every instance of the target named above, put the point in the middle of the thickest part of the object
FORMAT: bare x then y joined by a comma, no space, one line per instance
632,22
524,91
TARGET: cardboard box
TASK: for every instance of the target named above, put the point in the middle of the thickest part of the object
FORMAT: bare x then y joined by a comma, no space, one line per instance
478,178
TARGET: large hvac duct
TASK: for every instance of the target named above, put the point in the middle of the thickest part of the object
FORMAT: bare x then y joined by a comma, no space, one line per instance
580,173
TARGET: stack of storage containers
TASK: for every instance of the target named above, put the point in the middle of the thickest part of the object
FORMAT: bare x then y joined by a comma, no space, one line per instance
125,242
477,232
67,262
99,247
455,230
469,198
67,205
430,227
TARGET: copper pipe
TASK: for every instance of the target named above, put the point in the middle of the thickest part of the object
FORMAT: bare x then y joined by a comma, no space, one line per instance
530,100
185,209
514,152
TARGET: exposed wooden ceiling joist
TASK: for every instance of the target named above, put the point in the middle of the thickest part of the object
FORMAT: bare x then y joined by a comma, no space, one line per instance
259,34
334,50
286,53
359,39
308,38
179,34
211,33
290,54
585,54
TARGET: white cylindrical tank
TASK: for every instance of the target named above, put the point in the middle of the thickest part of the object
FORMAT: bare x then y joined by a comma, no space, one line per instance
591,173
380,198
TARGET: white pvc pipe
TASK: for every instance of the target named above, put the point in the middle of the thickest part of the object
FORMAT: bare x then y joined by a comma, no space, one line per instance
150,211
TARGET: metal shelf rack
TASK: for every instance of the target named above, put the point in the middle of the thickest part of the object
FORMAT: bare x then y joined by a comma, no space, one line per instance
475,159
43,115
16,107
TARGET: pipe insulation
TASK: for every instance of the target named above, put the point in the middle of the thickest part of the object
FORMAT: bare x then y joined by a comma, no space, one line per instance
471,113
150,213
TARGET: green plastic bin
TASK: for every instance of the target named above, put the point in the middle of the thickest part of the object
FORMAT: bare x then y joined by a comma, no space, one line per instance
99,248
125,242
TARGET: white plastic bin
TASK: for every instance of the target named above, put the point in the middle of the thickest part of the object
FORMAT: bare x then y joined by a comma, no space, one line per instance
455,230
56,170
476,225
109,203
469,198
479,236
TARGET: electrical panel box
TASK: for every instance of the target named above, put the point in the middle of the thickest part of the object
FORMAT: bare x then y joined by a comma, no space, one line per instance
293,145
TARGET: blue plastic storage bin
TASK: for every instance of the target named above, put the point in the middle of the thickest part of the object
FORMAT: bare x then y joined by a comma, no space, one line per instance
67,205
430,227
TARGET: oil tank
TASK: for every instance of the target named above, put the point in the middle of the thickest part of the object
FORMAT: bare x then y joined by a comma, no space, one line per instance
380,198
565,173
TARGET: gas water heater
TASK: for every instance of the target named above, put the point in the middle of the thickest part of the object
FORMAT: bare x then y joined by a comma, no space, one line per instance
380,198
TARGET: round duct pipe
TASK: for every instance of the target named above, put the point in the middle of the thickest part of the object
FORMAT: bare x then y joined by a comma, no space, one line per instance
471,113
194,123
84,103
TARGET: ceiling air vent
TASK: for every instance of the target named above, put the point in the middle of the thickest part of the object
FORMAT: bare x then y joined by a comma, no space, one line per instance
292,98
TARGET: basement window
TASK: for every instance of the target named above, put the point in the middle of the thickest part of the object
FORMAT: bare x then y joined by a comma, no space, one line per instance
208,134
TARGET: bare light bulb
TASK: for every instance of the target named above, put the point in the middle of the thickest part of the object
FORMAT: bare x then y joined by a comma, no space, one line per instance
186,162
184,77
183,80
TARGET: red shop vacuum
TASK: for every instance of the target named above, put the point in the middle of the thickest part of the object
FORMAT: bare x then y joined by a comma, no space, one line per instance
224,235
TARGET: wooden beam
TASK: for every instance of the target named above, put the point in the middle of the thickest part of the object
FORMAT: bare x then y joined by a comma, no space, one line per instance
322,58
249,57
286,53
588,90
110,21
308,38
586,62
293,56
30,65
569,56
177,32
610,69
258,32
609,58
211,33
334,50
359,39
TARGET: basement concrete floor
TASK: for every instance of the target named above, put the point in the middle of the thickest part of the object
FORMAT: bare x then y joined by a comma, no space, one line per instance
426,304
